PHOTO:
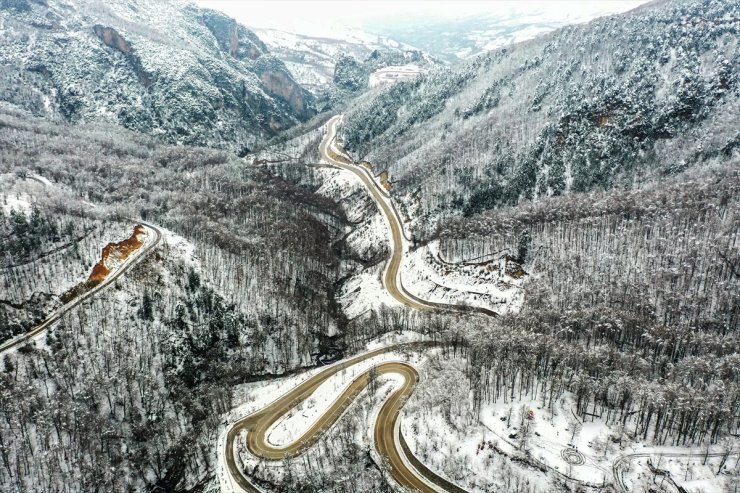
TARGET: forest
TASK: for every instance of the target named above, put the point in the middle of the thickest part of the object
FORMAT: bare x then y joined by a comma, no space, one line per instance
631,304
614,103
124,392
598,161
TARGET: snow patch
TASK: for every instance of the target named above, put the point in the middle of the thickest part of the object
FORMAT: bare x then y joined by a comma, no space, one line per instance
181,247
365,292
21,202
393,74
486,286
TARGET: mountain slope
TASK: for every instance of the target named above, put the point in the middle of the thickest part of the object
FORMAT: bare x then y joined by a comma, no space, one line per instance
312,59
135,378
191,75
615,103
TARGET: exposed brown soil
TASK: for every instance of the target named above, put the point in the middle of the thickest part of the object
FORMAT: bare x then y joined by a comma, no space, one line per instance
338,157
117,252
384,181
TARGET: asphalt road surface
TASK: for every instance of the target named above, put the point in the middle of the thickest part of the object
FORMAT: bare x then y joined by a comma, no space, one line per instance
405,469
54,317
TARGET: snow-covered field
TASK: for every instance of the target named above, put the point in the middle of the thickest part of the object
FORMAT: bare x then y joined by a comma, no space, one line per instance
393,74
487,286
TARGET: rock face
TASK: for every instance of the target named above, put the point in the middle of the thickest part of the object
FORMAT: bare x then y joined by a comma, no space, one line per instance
111,38
238,41
189,75
279,83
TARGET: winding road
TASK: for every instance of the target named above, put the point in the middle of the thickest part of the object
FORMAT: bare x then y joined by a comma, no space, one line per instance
54,317
405,469
259,424
391,277
399,245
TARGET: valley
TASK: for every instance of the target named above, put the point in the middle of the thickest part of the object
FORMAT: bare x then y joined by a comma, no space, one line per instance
501,257
406,469
386,430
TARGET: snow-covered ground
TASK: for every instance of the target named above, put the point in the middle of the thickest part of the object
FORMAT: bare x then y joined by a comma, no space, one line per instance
364,290
488,286
180,248
19,193
254,396
695,473
299,420
555,439
362,413
21,202
393,74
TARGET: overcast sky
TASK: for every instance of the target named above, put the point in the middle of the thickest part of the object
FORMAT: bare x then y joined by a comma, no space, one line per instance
322,16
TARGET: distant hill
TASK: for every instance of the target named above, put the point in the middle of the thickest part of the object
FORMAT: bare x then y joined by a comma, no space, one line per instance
615,103
313,59
459,38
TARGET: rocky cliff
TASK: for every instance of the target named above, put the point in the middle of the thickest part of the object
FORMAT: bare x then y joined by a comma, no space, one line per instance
189,75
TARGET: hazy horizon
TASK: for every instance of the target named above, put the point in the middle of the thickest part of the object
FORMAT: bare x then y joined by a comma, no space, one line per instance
324,18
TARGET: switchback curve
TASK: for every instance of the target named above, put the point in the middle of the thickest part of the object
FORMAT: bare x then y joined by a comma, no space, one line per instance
388,441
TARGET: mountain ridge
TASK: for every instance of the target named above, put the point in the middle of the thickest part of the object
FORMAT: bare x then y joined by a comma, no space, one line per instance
189,75
608,104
